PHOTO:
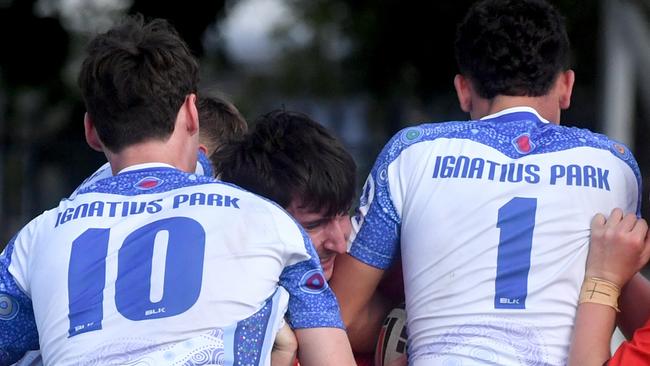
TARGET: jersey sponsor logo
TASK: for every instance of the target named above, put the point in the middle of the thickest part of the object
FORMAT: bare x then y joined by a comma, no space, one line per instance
8,307
148,183
523,144
313,282
507,301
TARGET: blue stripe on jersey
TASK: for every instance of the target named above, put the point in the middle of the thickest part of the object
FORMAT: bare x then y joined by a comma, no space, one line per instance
269,337
253,338
250,336
18,333
501,133
147,181
229,345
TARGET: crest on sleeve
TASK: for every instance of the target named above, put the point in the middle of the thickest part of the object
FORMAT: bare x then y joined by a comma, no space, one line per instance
313,282
619,148
8,307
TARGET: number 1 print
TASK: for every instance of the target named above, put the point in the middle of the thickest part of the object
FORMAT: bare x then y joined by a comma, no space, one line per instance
516,221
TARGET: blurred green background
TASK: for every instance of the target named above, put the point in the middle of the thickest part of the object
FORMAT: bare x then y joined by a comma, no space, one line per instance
365,69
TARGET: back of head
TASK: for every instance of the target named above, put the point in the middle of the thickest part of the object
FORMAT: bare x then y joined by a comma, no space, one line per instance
134,80
512,47
219,121
288,156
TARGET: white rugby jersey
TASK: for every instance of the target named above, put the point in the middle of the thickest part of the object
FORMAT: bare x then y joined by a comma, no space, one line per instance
158,267
492,220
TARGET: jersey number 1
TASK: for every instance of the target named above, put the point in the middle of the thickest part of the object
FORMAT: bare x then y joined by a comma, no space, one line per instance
516,221
183,272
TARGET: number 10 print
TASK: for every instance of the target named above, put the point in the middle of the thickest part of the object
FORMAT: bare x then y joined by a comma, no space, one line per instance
182,268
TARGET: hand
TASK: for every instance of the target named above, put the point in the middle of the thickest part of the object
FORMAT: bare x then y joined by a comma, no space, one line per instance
619,247
285,347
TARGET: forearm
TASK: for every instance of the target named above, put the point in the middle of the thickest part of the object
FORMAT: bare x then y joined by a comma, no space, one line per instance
362,309
592,335
324,347
635,305
285,347
363,329
282,358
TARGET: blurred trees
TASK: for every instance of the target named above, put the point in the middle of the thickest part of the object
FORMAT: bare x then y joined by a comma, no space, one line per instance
387,63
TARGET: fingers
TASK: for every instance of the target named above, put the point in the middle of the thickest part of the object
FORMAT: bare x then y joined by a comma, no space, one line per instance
619,246
614,218
628,222
598,220
619,222
640,228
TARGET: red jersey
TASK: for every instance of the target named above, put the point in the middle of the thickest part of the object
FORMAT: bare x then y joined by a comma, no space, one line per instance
635,352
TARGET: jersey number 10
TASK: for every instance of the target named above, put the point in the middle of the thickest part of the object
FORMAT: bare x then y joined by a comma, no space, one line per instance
183,272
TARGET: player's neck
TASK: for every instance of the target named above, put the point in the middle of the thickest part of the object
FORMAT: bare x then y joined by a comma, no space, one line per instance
151,152
543,105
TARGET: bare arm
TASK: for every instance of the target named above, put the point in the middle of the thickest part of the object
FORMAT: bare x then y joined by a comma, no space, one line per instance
324,347
635,305
285,347
592,335
618,249
363,310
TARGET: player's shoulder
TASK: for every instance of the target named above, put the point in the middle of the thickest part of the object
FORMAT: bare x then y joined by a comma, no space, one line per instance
103,172
420,133
269,217
583,137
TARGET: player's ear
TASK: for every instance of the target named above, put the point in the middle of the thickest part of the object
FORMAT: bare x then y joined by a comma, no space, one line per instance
92,139
203,149
191,113
564,83
463,92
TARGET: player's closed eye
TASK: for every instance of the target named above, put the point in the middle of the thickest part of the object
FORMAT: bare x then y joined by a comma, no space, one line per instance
313,225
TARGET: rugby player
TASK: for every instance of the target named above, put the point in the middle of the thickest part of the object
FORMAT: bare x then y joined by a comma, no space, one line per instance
138,267
491,215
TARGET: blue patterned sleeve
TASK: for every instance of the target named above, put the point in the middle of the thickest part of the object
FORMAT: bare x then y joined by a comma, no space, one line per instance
376,223
312,303
18,332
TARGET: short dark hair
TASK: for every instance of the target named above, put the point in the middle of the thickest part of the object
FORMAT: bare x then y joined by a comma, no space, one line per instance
134,80
512,47
219,121
288,156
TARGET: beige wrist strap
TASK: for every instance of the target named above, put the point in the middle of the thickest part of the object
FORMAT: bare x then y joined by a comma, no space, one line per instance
599,291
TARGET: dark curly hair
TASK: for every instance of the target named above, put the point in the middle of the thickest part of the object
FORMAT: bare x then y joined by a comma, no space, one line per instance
512,47
286,156
134,80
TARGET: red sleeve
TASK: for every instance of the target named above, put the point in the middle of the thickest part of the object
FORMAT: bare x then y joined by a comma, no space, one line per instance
364,359
635,352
